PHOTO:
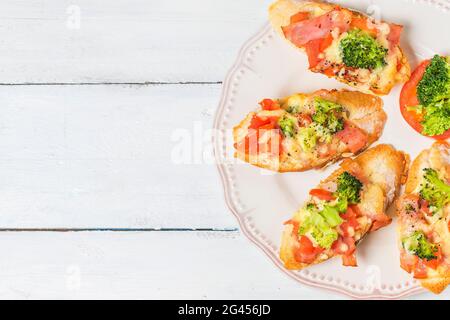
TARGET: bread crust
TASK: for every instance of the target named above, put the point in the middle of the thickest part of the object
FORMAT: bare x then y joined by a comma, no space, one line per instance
364,111
384,170
438,158
279,16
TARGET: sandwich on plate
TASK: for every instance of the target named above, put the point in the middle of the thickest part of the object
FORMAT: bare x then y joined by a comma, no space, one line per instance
341,210
424,219
344,44
307,131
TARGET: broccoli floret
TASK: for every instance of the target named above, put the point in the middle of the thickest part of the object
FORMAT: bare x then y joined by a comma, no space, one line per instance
349,188
317,226
434,190
435,83
287,126
324,237
436,119
331,215
325,115
360,50
418,244
307,138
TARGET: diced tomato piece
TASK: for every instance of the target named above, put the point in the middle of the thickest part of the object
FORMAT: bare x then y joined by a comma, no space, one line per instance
353,137
434,263
295,226
344,245
362,23
355,209
298,17
407,261
258,122
315,47
420,270
349,227
306,252
258,126
349,214
269,104
304,119
322,194
349,260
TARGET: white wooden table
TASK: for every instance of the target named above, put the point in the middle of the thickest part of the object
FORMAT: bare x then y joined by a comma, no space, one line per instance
91,203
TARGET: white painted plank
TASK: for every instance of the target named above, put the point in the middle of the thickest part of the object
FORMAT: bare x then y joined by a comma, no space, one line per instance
151,265
123,40
101,156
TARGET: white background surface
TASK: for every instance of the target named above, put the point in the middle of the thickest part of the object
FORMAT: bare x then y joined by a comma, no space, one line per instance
88,111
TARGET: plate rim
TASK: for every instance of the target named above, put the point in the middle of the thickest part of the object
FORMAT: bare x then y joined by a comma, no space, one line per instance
264,31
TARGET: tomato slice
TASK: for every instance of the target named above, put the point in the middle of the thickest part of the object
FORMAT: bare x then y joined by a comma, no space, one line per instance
408,98
269,104
322,194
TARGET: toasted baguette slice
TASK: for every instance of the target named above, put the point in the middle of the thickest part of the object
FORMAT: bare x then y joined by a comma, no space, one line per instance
381,170
318,28
308,144
419,217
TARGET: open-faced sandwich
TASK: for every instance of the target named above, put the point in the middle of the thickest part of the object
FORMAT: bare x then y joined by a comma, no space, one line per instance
306,131
425,98
424,219
343,208
343,44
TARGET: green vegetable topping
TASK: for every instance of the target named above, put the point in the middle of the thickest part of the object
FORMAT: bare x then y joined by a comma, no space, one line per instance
433,93
435,83
331,215
325,115
349,188
434,190
360,50
317,226
307,138
287,126
418,245
436,119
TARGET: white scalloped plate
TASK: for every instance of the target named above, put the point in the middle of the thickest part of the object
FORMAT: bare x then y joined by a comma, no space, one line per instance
267,66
